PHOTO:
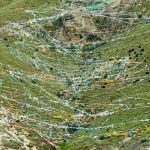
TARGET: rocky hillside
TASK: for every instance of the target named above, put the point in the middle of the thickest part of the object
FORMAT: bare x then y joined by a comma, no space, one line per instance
75,74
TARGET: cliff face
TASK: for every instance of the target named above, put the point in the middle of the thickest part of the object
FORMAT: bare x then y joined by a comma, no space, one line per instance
73,30
85,22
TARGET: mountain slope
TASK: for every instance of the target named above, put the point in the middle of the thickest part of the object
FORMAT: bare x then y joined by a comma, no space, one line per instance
74,76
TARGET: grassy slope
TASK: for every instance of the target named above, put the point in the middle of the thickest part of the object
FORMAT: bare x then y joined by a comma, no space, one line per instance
93,96
104,97
14,10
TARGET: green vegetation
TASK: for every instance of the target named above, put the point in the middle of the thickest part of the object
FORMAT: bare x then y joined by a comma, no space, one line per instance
69,96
